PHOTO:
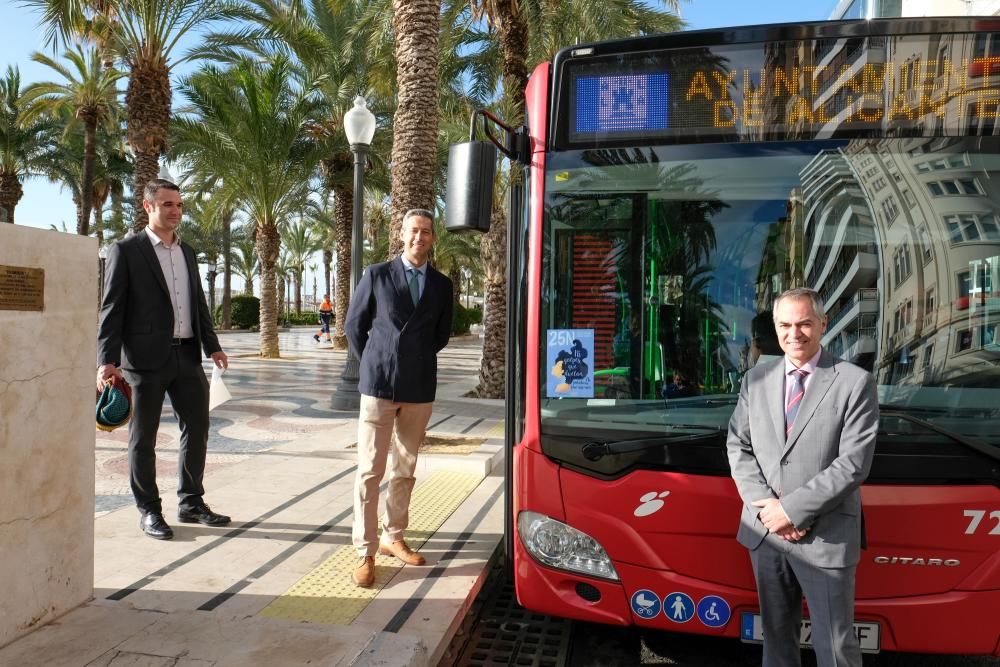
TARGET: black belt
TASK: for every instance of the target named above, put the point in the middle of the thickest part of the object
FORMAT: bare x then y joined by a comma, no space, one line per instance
182,341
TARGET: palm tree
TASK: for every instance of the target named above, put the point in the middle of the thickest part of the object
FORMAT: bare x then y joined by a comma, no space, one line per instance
244,260
143,34
111,174
250,124
298,240
415,124
529,32
324,228
22,143
452,253
206,238
89,93
200,182
343,45
283,272
63,163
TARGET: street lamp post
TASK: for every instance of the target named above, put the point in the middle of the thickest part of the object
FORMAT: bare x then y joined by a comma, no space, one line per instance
359,126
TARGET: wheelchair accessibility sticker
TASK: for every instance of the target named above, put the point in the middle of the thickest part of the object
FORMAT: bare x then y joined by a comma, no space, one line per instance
645,604
713,611
678,607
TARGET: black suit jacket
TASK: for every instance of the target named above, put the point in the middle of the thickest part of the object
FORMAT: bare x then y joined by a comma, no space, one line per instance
396,342
137,320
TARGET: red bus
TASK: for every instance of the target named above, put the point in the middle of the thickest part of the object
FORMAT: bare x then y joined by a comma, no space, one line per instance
674,185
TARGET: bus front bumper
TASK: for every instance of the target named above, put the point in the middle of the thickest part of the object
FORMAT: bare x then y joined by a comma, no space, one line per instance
957,622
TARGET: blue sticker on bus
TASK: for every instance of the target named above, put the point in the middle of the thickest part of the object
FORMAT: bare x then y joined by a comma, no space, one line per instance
569,356
645,604
678,607
713,611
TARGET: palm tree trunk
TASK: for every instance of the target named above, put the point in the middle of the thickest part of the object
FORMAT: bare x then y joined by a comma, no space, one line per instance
268,243
415,124
327,262
456,281
227,271
100,198
87,177
146,167
297,273
147,99
282,287
210,278
279,293
493,249
343,210
79,214
513,33
10,193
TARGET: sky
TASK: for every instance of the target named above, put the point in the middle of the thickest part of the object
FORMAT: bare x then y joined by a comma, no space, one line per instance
44,204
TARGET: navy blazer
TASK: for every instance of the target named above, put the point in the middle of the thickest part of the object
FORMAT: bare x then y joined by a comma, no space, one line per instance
397,342
137,320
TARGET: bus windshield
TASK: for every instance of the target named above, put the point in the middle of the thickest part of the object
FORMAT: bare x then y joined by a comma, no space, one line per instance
661,263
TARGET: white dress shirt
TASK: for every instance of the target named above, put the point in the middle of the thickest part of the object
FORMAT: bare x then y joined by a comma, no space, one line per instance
175,272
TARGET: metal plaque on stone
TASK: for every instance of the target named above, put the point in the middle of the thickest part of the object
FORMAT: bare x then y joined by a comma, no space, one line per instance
22,288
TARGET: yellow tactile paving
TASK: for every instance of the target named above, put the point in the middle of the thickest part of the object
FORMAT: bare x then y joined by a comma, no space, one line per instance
497,431
327,595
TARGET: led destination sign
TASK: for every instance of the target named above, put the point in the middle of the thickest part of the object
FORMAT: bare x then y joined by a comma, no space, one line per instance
785,90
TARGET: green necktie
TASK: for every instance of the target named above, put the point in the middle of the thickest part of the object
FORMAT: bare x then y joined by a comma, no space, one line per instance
414,286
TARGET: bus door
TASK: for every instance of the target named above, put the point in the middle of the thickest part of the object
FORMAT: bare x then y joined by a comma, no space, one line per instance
625,262
598,281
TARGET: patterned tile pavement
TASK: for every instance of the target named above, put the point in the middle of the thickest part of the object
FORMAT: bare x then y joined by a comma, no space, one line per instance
286,404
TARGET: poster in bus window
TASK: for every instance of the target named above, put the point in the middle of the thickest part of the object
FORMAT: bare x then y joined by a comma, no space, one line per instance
569,359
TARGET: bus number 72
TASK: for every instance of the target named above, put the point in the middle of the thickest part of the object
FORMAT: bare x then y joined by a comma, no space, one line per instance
977,517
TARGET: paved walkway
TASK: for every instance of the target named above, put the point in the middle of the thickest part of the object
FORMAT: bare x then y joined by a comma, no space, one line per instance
272,588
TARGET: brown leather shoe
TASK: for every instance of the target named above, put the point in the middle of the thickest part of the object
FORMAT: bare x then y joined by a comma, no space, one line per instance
402,552
364,574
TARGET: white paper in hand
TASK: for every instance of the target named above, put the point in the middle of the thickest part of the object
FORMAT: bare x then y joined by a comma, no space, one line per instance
217,392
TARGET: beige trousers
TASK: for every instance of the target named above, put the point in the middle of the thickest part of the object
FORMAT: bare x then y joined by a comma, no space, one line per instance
385,426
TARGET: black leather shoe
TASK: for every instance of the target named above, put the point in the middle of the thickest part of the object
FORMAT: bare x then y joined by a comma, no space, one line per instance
203,515
153,525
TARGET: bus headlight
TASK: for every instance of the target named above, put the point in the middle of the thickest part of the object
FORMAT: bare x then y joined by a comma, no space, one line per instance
560,546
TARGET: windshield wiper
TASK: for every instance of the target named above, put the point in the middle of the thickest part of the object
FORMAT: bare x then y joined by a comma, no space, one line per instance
964,440
595,450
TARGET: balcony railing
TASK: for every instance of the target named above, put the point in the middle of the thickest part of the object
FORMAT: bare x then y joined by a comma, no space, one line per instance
866,294
843,265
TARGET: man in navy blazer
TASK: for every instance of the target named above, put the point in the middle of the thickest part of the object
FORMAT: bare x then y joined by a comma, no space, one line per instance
398,320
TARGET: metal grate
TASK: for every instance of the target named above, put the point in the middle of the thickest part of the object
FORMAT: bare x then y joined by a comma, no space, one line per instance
507,634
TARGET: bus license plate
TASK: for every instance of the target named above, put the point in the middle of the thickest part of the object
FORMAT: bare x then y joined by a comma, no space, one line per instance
869,634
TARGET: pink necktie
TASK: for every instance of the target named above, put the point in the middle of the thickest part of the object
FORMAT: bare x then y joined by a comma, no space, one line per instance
795,393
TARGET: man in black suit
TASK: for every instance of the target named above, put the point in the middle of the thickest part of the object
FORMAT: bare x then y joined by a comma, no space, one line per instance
153,319
398,320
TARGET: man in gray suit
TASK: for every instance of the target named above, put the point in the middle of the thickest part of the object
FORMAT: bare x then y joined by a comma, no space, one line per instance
800,445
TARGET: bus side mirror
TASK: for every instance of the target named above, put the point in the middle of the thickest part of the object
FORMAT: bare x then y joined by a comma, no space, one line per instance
472,168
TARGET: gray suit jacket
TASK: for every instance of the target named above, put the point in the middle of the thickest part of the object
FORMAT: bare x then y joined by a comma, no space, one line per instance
817,472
